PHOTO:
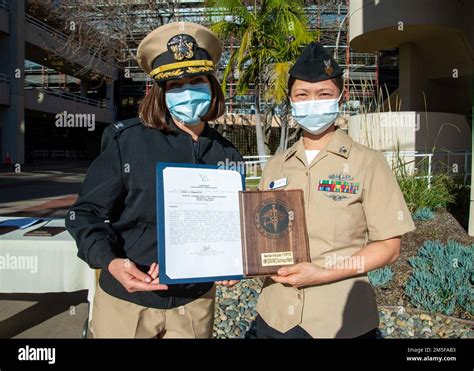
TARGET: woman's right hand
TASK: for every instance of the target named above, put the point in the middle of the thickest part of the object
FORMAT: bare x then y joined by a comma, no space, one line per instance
126,272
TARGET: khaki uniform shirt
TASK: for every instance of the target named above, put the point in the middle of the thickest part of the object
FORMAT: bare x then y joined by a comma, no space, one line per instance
351,197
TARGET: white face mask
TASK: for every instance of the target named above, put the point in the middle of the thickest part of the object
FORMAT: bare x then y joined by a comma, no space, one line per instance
316,116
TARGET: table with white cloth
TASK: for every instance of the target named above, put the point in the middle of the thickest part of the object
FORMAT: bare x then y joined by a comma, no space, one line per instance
32,264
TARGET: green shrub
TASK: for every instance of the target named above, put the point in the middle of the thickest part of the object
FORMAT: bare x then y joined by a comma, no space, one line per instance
423,213
419,192
442,277
381,276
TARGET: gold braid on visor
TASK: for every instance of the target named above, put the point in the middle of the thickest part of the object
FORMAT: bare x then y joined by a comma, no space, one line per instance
191,67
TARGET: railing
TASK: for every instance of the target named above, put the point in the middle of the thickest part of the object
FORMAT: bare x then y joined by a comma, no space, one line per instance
4,79
252,163
252,166
389,156
60,35
450,168
4,5
57,154
29,85
453,168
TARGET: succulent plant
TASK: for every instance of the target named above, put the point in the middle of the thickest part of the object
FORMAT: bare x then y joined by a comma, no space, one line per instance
442,277
423,213
381,276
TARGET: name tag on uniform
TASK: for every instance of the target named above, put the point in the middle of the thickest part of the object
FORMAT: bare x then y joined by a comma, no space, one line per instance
274,184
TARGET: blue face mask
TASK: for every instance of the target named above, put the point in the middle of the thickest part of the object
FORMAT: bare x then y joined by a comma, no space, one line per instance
315,116
189,103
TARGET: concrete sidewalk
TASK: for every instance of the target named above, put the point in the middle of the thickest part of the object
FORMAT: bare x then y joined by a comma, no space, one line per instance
41,190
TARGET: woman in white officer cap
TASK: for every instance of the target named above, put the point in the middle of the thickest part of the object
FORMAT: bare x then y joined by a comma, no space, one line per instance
114,218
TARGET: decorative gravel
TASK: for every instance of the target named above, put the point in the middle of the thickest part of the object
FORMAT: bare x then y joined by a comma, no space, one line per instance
235,314
235,309
401,322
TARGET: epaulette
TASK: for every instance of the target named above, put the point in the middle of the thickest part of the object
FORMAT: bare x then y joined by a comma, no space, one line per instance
120,126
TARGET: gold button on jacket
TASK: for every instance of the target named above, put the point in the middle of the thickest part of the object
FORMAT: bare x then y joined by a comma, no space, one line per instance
351,197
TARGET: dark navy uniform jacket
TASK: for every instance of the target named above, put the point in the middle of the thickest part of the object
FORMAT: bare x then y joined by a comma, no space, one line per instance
115,214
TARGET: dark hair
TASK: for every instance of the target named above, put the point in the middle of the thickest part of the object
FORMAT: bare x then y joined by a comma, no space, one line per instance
337,80
155,114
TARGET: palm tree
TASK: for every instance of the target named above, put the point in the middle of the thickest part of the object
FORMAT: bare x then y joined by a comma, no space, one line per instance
270,35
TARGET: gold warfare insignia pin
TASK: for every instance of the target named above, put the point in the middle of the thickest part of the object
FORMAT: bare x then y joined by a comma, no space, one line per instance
329,70
182,47
274,218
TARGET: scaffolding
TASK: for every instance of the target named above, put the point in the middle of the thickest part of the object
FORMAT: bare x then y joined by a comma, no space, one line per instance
328,18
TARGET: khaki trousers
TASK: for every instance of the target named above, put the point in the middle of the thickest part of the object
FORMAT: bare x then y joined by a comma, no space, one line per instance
116,318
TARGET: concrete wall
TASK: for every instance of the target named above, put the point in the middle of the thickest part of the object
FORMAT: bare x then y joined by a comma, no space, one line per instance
413,131
40,42
436,48
25,40
37,100
12,118
384,17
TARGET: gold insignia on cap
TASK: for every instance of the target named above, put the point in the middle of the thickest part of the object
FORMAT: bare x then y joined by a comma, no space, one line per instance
329,70
182,47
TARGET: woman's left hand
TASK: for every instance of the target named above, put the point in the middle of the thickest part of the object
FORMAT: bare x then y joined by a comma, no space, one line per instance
302,274
227,283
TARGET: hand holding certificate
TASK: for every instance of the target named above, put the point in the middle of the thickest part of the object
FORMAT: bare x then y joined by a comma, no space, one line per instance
204,235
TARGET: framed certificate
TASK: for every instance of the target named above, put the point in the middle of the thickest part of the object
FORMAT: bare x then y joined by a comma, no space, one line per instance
210,229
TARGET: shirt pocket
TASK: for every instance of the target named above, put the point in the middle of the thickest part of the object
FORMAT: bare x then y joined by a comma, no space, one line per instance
336,221
321,222
350,225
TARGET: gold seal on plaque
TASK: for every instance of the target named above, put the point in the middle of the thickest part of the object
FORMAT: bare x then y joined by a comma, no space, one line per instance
274,218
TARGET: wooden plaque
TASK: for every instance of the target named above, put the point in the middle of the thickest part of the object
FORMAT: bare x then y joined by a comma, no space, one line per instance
274,234
45,231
